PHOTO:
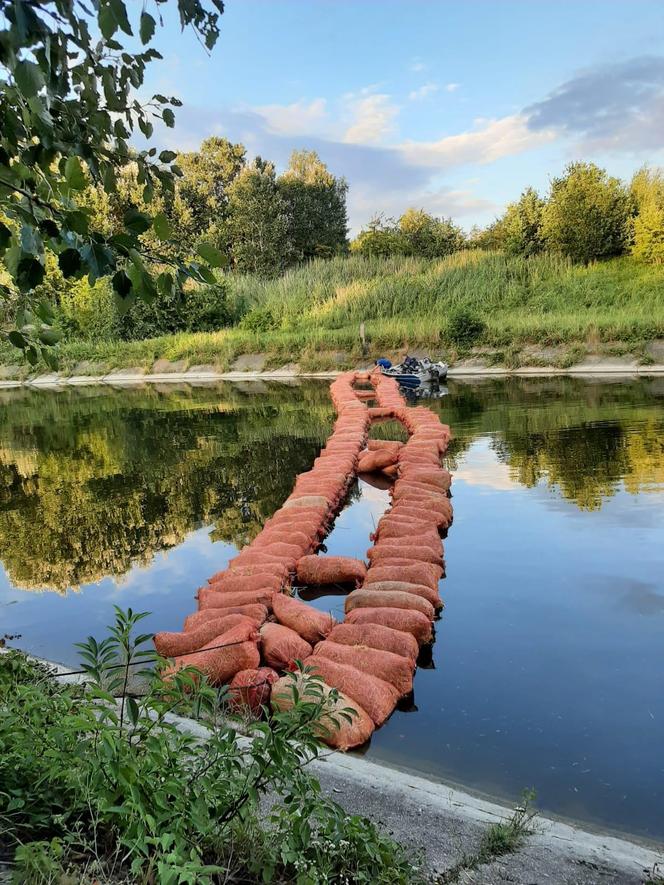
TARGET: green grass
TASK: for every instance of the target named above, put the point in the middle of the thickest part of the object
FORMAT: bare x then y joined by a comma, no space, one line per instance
499,839
317,309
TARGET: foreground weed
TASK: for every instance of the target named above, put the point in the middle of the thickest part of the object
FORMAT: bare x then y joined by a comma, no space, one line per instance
501,838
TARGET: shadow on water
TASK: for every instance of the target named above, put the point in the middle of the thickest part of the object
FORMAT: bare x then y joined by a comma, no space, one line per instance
548,664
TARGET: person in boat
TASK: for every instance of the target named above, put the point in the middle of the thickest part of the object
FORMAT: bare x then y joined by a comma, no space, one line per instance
384,363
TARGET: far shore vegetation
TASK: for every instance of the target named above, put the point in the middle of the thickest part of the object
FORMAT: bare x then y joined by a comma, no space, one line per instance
580,270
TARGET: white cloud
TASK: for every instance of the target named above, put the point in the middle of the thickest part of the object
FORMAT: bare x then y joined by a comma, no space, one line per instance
417,65
488,141
452,87
423,91
373,117
295,118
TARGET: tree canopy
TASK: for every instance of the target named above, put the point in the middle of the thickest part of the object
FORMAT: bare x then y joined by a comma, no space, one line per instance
68,109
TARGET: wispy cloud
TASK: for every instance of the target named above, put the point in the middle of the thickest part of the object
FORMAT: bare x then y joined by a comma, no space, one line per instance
490,140
423,92
452,87
417,65
373,117
295,118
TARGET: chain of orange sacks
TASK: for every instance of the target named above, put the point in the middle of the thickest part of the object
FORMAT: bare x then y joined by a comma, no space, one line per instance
249,628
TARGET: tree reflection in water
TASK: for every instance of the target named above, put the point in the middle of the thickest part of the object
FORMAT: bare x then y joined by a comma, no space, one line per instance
93,481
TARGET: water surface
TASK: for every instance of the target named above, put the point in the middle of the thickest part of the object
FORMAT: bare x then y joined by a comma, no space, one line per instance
548,666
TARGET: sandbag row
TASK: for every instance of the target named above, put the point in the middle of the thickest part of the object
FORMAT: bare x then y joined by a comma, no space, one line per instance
371,657
245,619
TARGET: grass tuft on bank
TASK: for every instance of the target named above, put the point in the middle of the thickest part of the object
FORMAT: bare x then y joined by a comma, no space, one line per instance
312,314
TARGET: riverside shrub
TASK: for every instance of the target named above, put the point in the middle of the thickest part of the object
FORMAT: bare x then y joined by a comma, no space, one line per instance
104,807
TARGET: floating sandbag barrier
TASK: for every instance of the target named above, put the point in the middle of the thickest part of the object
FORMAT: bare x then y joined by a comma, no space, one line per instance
249,629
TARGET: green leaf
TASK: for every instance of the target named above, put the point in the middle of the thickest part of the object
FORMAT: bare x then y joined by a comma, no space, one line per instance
17,339
121,283
147,27
49,336
120,13
168,117
108,24
69,262
77,221
132,710
167,156
29,273
136,222
212,255
161,226
146,127
165,284
98,259
74,174
48,227
29,78
45,312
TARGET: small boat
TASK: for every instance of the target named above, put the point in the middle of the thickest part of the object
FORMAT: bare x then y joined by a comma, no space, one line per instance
412,372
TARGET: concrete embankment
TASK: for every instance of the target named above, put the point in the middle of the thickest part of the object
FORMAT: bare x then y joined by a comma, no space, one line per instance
196,375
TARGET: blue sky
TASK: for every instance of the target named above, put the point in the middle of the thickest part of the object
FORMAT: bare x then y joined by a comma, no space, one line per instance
454,107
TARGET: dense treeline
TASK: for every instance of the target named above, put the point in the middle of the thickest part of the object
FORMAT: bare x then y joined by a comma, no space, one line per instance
264,224
586,216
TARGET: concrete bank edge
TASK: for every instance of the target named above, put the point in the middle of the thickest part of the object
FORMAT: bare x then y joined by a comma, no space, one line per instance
408,789
122,379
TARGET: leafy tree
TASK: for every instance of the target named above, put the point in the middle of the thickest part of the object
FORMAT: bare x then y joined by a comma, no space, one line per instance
416,233
258,222
379,239
316,202
201,194
427,237
587,214
521,226
68,108
647,192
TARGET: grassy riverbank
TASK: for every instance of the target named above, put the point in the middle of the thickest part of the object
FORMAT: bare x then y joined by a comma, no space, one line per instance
312,315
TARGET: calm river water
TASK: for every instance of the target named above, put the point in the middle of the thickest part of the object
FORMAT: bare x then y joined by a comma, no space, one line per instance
548,666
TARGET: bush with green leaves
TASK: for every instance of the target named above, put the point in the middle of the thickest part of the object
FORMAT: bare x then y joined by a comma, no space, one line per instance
464,327
587,214
259,319
94,779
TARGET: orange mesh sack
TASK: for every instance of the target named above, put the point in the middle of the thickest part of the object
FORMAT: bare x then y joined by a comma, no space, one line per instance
336,731
414,572
312,625
385,665
388,550
384,445
413,622
376,461
377,697
251,689
376,636
282,646
228,581
256,613
388,599
209,598
404,587
171,644
330,570
224,656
